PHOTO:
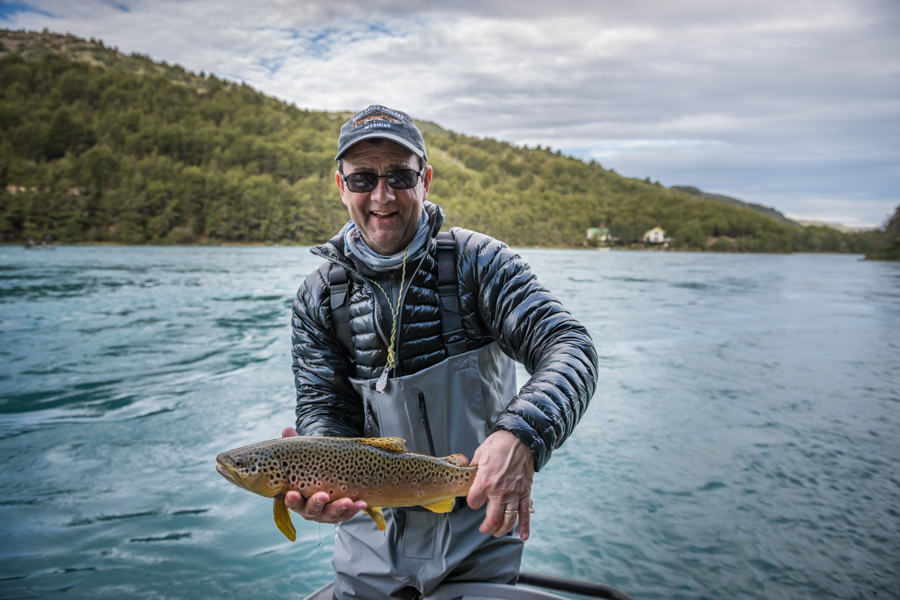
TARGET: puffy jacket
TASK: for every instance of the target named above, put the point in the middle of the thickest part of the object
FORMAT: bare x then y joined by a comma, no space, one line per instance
500,300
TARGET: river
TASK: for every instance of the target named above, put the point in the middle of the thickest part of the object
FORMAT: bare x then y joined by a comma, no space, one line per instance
744,441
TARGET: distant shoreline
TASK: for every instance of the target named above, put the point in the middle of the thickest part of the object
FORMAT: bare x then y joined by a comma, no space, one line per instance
286,245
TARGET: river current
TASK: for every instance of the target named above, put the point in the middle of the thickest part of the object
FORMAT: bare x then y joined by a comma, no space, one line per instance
744,441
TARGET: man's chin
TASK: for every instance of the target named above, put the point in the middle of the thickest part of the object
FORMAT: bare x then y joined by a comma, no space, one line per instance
387,245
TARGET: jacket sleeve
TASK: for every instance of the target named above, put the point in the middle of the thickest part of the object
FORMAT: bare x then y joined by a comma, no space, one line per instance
326,402
534,328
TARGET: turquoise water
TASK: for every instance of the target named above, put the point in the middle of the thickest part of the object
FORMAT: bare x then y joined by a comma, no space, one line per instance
743,442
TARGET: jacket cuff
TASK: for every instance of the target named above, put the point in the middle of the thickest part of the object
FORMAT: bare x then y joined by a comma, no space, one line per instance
520,428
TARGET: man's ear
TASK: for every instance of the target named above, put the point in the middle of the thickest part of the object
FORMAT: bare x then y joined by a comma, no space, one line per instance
426,180
340,186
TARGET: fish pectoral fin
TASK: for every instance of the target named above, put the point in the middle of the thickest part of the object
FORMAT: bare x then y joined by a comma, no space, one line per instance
459,460
388,444
377,516
444,506
283,518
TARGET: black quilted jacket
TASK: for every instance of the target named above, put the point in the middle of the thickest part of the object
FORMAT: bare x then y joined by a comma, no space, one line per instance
500,299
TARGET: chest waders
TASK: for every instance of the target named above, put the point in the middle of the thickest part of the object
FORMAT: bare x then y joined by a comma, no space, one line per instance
444,409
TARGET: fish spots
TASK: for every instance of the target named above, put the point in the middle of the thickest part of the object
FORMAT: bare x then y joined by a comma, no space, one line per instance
344,467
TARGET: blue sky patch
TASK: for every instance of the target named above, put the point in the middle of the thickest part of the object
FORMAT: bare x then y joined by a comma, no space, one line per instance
271,65
8,9
120,6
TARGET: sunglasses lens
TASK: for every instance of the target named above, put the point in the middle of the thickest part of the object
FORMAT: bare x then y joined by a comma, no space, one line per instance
401,179
361,182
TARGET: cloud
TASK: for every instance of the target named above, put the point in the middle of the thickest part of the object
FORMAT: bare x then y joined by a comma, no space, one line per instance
760,99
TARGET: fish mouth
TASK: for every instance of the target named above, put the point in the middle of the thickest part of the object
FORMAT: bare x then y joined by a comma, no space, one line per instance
256,483
227,470
226,474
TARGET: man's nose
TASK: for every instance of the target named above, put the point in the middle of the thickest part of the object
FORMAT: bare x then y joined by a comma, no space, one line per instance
382,191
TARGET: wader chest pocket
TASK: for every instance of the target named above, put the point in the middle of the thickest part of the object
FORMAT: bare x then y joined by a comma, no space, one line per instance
371,428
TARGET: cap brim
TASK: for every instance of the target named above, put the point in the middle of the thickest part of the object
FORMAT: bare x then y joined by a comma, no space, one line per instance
384,136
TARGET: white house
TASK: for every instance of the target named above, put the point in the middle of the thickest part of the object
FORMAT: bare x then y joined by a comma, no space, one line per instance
655,236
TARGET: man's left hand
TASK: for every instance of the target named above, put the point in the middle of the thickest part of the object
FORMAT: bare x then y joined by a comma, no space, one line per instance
503,480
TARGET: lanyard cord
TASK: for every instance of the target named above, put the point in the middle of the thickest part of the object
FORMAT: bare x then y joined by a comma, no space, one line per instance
395,312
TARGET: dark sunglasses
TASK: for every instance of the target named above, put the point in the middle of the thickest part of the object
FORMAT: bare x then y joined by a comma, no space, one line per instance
399,179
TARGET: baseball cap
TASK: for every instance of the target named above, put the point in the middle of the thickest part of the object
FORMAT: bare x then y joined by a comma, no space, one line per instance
379,121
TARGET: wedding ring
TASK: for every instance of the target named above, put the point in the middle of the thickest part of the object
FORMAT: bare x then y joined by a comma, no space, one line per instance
510,512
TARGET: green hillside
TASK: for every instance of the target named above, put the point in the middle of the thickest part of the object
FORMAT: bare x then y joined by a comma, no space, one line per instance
764,210
98,146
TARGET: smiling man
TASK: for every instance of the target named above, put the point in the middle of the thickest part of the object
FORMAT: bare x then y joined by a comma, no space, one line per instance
386,218
407,332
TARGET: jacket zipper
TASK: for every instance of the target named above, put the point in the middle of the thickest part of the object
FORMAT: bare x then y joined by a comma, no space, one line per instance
400,320
424,411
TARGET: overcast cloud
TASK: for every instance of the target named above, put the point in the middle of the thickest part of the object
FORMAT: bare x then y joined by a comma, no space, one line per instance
791,104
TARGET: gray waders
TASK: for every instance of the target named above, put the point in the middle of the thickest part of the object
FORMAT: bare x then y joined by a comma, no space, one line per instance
448,408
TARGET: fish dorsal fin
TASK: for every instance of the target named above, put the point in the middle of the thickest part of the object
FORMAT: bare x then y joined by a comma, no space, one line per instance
388,444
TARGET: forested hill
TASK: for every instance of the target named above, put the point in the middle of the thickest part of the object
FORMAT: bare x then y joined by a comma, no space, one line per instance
100,146
765,210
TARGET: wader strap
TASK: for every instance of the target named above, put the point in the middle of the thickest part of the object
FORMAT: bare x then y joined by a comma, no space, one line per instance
448,288
339,285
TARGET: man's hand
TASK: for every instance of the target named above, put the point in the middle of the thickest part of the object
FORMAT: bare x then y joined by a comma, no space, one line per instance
317,507
505,473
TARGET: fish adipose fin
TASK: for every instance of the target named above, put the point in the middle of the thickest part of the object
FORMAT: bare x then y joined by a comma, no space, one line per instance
459,460
444,506
283,518
389,444
377,516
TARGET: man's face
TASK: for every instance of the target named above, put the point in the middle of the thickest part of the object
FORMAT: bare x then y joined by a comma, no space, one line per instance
386,218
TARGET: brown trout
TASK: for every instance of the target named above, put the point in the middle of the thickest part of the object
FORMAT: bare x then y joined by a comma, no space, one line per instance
378,471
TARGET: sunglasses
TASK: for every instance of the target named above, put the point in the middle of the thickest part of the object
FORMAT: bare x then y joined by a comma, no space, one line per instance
398,179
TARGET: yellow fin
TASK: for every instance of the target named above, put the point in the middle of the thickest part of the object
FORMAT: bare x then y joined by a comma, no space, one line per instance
283,518
389,444
459,460
444,506
377,516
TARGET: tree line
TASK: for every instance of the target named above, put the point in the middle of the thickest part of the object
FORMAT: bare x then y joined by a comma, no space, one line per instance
122,149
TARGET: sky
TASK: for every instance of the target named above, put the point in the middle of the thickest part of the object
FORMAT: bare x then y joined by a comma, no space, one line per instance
792,104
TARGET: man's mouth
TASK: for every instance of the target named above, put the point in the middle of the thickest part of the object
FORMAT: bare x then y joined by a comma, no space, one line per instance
379,214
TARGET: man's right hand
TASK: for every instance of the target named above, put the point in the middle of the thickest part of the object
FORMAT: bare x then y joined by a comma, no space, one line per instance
317,507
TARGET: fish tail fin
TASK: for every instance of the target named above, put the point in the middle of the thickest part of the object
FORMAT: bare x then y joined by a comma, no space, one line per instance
377,516
283,518
444,506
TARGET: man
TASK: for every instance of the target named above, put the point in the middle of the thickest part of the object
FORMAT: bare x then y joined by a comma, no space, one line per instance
402,332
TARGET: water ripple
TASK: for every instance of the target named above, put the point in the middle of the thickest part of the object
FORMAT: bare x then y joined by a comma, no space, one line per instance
743,441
